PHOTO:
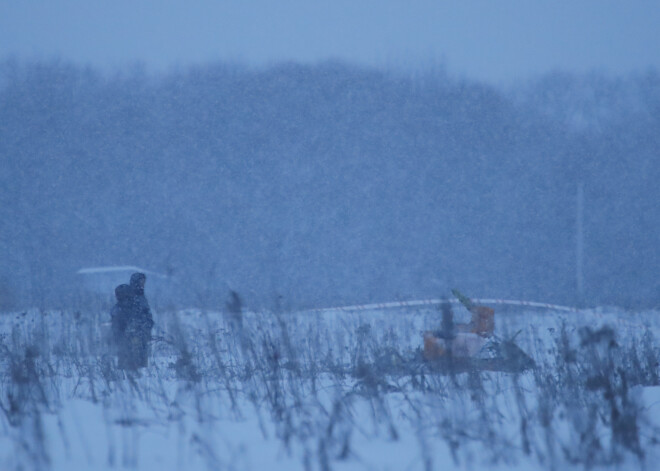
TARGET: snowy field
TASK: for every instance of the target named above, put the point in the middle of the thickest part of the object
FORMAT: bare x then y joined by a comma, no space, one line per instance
305,391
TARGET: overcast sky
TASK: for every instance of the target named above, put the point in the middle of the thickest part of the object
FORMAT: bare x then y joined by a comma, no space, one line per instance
495,40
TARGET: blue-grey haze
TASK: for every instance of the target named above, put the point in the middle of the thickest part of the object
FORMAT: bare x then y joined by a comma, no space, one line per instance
489,40
328,184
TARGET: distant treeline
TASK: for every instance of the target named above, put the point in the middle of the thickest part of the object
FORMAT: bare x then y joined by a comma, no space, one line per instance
328,184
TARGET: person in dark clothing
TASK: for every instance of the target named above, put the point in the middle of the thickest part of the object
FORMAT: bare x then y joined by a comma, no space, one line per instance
131,323
121,311
140,322
234,304
119,316
234,307
448,325
141,305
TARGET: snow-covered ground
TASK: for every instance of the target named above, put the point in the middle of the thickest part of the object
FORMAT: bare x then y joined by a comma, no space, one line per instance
292,391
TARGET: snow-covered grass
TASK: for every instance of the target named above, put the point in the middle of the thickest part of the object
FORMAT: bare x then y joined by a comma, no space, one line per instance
304,391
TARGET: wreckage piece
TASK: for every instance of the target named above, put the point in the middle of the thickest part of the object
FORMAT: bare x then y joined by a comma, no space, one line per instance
468,352
496,355
460,340
483,317
473,345
461,344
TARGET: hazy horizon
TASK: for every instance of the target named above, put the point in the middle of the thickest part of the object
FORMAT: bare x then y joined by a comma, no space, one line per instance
334,152
497,42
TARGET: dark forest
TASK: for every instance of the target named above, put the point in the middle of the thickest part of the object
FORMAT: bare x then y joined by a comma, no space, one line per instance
321,185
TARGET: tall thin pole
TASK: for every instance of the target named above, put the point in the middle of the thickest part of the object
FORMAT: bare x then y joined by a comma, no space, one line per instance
579,242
